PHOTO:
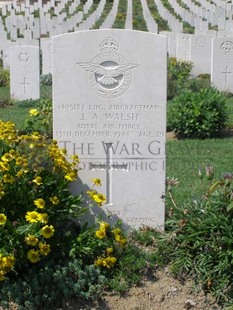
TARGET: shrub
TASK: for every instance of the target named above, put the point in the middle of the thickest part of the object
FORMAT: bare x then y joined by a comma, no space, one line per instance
199,240
40,118
4,77
28,103
46,79
34,196
178,76
52,285
198,115
42,239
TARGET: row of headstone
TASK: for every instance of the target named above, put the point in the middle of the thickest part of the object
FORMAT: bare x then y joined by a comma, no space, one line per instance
27,26
129,15
150,22
195,48
110,19
174,24
209,55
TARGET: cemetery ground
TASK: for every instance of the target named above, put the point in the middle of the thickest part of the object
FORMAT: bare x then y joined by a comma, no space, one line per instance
155,272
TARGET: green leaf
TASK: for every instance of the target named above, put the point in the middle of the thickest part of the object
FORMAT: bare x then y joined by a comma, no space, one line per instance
230,207
23,229
213,187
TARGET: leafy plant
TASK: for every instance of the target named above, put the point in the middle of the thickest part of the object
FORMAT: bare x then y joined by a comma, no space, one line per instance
4,77
46,79
53,285
199,239
178,76
39,225
198,115
40,118
28,103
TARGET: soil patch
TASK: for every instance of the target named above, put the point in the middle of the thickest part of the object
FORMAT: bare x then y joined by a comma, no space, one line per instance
162,292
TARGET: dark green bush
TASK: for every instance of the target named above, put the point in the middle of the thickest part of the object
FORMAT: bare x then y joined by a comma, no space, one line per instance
46,79
4,77
198,115
50,286
28,103
178,76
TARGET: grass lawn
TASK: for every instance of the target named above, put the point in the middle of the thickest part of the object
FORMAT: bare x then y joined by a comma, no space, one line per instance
186,157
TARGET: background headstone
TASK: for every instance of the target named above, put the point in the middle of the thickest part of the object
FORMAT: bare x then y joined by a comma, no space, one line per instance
24,72
222,63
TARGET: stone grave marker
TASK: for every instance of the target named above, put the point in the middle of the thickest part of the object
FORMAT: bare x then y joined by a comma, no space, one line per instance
183,46
200,54
109,94
222,63
46,48
24,72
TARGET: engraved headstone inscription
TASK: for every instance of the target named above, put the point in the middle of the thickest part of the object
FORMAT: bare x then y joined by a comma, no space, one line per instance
25,72
109,95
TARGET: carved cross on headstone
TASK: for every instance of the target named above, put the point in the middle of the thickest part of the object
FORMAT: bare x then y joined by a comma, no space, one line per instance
109,166
226,73
24,83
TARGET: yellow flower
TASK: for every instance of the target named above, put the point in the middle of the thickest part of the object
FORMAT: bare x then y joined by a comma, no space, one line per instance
37,180
7,157
4,166
100,199
100,234
47,231
72,176
75,158
99,262
117,231
32,216
109,261
117,238
7,178
43,218
2,274
109,251
97,181
33,256
8,262
1,261
2,219
31,240
91,193
44,248
122,241
19,161
104,225
40,203
19,174
54,200
33,112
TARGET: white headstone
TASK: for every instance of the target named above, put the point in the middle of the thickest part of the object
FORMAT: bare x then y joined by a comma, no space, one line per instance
24,72
222,64
200,54
46,48
109,92
183,47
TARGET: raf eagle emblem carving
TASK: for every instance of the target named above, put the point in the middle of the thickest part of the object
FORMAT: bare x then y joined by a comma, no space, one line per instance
108,74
